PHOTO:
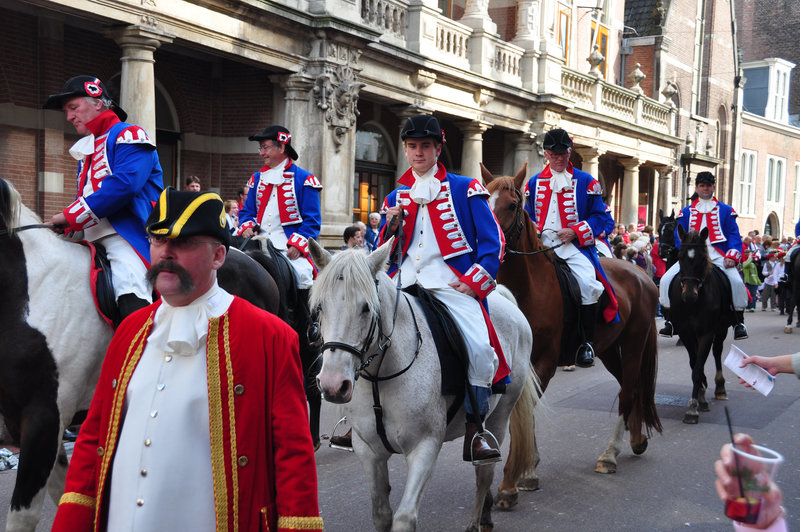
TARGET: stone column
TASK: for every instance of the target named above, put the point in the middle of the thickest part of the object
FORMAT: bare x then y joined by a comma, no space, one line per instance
664,188
591,159
137,86
523,146
296,107
629,209
528,36
476,16
472,149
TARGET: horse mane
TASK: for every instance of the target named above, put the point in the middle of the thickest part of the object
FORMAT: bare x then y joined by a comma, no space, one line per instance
9,206
351,268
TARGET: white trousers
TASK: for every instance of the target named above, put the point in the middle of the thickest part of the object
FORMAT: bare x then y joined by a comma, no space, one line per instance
128,272
467,312
584,272
738,290
303,271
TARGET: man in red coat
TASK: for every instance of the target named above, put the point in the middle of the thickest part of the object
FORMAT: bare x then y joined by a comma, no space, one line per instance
199,418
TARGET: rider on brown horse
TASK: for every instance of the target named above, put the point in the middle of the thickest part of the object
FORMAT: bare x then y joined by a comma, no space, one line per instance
567,206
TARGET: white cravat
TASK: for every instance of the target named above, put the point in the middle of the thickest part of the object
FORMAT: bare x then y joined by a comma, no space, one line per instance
560,180
82,148
426,187
705,206
273,176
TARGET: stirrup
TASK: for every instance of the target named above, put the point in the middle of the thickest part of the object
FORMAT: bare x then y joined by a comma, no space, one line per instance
333,434
486,460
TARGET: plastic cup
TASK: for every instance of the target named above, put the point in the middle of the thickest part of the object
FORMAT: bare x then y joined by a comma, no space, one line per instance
756,467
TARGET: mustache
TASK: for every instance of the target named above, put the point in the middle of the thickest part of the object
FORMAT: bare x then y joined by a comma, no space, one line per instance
185,280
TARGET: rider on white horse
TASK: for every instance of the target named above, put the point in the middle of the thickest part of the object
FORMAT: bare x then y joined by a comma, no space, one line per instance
724,248
452,246
119,180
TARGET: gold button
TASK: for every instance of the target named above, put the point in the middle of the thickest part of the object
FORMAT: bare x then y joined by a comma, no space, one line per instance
139,502
147,442
243,461
238,389
144,472
114,383
100,451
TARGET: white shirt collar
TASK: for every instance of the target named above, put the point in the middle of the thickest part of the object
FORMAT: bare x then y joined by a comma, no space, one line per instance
82,148
560,180
705,206
182,330
274,176
426,187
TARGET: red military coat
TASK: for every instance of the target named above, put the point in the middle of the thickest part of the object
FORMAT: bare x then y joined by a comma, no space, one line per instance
261,451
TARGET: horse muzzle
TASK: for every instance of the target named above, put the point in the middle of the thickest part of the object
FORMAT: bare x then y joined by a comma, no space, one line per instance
335,390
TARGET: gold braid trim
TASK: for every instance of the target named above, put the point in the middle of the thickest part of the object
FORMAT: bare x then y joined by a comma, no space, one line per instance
131,359
216,426
78,498
231,421
299,523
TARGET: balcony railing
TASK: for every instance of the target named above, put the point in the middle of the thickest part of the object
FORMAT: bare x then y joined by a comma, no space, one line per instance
390,17
452,41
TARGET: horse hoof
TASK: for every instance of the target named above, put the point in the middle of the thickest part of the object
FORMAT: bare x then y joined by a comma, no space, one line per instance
691,419
487,528
528,484
787,330
605,468
506,500
641,448
703,407
721,396
317,445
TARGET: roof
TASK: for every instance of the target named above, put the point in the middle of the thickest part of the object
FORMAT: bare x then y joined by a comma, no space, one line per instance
646,17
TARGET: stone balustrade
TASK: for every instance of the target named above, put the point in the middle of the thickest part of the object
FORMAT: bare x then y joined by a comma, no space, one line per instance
506,63
452,42
390,17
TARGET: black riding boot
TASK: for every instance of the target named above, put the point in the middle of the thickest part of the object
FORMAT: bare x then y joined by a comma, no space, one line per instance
739,330
128,304
667,329
476,449
584,357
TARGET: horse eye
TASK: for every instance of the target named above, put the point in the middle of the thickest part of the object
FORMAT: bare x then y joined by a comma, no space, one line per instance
513,207
365,309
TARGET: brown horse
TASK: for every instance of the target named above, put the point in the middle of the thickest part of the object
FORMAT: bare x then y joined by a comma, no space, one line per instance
627,348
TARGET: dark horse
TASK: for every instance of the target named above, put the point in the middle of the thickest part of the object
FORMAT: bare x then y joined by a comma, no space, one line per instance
667,249
701,309
792,294
627,348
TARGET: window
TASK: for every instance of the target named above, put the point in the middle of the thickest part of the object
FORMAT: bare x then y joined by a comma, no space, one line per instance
776,177
600,38
796,199
747,169
563,30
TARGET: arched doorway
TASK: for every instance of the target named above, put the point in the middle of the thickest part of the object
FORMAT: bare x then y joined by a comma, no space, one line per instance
772,226
375,170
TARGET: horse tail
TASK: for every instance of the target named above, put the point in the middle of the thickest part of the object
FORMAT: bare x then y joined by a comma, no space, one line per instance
523,444
647,384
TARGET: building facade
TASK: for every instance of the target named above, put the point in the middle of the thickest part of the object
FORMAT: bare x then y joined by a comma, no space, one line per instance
646,110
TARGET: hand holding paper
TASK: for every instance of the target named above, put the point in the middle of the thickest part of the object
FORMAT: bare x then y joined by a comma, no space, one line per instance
753,375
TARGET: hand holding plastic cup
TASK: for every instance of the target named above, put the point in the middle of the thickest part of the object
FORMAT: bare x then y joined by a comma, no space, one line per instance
753,469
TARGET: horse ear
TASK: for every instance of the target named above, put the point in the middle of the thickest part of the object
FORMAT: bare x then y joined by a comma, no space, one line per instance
318,254
660,215
486,175
672,213
704,234
377,259
520,177
681,232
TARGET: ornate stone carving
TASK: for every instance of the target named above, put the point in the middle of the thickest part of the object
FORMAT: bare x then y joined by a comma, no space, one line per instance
336,93
483,96
527,19
595,59
637,76
422,79
669,90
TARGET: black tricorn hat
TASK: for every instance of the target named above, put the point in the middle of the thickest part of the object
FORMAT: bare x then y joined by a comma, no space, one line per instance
422,126
185,213
84,86
280,135
557,140
705,177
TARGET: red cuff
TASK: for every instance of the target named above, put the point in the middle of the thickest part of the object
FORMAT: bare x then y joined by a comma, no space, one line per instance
250,224
74,515
300,242
584,233
732,254
79,215
479,280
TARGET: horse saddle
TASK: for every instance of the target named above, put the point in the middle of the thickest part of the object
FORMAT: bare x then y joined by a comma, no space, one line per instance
102,284
450,346
571,296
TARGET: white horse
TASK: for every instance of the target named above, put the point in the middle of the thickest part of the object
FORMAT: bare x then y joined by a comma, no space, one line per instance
52,343
353,296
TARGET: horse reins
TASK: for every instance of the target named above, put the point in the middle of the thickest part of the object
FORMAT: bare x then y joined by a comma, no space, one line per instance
6,231
516,230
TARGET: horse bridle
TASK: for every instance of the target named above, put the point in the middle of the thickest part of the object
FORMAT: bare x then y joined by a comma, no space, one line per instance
516,230
6,231
683,278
